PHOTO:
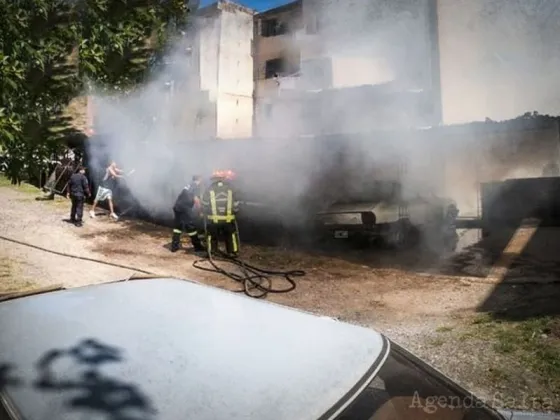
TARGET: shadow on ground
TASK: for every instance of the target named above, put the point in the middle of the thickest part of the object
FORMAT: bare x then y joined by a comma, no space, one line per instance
474,257
84,389
539,260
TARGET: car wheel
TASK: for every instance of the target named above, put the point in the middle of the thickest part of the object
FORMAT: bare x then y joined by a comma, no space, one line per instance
399,235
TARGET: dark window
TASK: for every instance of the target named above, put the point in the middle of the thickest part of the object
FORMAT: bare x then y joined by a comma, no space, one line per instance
273,27
278,67
273,68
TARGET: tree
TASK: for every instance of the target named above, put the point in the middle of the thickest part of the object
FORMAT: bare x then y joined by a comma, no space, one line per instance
37,79
52,48
120,37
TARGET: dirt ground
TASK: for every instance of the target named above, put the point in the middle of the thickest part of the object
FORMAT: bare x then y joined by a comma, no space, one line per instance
435,316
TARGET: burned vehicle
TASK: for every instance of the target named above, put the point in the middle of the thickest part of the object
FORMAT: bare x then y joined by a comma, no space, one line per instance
381,212
167,348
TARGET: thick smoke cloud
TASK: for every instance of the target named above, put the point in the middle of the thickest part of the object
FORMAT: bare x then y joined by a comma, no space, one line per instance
379,55
498,57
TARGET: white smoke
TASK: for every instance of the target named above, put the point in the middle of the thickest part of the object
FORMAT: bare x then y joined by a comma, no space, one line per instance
376,51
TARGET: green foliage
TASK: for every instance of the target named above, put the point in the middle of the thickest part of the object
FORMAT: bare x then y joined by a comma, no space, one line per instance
120,36
51,48
36,81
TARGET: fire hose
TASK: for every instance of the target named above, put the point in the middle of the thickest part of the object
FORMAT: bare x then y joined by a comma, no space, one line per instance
77,257
256,282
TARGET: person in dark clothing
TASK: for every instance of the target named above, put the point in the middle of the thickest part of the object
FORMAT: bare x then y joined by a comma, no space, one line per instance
219,208
185,211
78,190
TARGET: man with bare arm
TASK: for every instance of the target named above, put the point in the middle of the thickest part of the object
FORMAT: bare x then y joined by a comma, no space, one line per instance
106,188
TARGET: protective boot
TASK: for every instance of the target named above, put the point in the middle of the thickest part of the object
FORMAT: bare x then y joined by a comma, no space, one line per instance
211,245
197,243
175,242
232,245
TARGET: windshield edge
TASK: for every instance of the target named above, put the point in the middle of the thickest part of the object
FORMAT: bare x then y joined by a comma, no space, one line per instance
333,412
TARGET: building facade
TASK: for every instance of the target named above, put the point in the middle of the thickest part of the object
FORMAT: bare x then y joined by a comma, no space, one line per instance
224,70
276,58
363,65
204,88
315,66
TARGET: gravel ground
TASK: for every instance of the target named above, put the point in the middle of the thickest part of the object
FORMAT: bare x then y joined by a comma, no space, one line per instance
412,309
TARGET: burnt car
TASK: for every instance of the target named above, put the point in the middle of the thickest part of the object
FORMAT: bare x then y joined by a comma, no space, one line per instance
173,349
390,217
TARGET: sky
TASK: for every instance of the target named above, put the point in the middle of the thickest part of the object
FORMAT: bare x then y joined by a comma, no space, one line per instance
258,5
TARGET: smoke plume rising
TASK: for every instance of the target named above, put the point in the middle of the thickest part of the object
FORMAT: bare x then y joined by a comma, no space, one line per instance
380,64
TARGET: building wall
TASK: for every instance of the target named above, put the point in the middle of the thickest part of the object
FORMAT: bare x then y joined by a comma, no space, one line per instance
235,74
268,107
499,58
369,41
225,34
208,42
279,46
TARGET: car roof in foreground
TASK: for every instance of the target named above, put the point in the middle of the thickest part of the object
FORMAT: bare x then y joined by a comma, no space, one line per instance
171,349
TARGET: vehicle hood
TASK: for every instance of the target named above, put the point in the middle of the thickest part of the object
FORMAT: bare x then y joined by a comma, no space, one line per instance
174,349
357,207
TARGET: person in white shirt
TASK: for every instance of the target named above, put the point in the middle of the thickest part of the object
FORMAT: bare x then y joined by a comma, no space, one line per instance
105,190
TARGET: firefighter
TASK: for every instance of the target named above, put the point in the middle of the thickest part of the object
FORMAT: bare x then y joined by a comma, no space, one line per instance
219,207
186,209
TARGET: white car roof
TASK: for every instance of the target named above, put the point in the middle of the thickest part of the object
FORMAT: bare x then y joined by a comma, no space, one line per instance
187,351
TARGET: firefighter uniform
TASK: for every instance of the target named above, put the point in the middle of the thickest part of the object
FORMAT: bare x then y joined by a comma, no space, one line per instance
219,208
185,217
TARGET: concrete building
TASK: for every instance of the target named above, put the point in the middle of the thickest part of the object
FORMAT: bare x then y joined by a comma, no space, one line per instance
358,68
207,80
224,63
276,56
315,66
471,59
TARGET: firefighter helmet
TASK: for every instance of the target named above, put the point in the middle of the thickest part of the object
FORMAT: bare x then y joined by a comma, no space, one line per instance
227,175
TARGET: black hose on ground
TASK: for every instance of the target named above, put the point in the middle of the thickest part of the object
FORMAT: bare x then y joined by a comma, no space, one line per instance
77,257
256,282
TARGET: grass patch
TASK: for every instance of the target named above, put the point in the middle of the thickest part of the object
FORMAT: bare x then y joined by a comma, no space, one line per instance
29,189
23,187
531,346
444,329
60,201
498,375
10,280
436,342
